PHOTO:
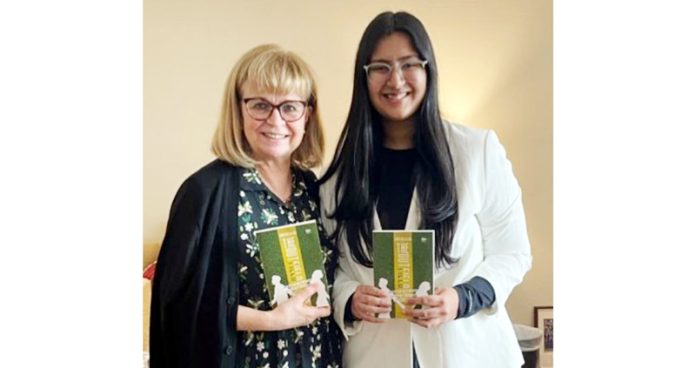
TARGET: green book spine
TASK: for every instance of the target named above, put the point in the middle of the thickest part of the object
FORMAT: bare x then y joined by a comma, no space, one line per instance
403,265
291,258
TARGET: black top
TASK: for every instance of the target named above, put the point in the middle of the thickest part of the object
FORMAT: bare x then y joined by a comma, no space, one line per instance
395,186
196,287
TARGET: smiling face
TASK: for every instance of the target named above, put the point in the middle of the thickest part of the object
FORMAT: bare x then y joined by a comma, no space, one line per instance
397,98
272,139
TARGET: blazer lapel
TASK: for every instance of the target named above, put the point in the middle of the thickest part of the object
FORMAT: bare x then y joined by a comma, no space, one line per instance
412,220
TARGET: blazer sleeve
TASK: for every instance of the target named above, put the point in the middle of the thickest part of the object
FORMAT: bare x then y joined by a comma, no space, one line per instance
344,288
506,248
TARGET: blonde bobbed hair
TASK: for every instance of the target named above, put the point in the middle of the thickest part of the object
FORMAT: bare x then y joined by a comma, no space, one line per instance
277,71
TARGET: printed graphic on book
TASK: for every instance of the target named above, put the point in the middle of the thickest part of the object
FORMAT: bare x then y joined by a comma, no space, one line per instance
403,265
292,259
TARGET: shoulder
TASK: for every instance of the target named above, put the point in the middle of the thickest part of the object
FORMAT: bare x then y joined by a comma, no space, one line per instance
203,182
466,140
212,174
475,151
215,170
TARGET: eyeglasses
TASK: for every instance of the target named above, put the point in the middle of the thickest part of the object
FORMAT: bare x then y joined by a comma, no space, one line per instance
261,109
380,71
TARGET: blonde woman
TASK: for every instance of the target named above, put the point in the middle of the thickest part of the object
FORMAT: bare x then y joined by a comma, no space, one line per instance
210,305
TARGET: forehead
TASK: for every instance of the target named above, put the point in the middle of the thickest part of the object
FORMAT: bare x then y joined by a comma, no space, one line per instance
250,89
396,46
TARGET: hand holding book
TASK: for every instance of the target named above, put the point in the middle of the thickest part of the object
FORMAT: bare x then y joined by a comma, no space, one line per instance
294,312
437,309
369,301
297,310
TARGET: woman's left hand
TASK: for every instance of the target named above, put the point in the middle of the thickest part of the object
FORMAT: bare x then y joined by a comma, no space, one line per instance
437,309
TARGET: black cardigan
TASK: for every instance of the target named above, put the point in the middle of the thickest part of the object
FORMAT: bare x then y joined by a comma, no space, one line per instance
195,290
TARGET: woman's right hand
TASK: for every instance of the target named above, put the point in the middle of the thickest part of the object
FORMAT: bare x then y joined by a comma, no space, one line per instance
368,301
294,312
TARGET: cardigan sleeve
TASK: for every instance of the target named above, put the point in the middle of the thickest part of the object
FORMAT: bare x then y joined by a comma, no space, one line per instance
194,301
507,255
180,241
173,272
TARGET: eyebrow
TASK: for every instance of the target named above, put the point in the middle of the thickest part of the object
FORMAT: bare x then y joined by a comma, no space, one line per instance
269,101
399,59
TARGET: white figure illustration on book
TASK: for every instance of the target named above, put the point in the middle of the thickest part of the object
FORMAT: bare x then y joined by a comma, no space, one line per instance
383,286
423,289
322,295
280,291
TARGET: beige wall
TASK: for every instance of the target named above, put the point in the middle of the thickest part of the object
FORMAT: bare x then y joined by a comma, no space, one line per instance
495,64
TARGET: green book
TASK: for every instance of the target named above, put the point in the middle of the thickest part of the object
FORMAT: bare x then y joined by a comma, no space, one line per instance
403,265
291,258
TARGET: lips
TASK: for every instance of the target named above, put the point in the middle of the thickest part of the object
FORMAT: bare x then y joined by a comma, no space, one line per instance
275,136
395,96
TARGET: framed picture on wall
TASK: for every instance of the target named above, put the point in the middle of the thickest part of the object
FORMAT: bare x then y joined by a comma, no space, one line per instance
543,320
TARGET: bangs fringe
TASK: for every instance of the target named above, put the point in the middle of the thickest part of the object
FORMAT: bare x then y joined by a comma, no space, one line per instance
279,72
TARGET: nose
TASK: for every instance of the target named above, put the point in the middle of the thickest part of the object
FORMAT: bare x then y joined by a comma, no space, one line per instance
396,78
275,118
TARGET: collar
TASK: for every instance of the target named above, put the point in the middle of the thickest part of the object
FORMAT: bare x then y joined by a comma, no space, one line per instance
250,181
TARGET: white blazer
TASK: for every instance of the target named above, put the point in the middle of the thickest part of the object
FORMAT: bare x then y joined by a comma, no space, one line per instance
490,241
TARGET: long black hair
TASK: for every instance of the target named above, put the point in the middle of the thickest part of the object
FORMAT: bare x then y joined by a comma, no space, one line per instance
355,158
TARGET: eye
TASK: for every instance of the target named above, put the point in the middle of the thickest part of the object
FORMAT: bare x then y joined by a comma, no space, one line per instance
260,105
410,65
289,107
380,68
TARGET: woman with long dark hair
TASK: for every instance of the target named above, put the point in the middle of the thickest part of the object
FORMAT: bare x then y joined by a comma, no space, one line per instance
398,165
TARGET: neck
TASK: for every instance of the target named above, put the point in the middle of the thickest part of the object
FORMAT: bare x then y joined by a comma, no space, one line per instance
277,177
399,134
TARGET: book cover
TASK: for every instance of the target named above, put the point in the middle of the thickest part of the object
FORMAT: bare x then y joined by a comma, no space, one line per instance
291,258
403,265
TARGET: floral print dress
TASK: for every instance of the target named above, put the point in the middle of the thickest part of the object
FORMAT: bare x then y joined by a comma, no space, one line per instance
315,345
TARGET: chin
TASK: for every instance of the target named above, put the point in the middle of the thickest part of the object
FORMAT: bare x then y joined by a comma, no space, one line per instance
275,154
398,117
395,112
